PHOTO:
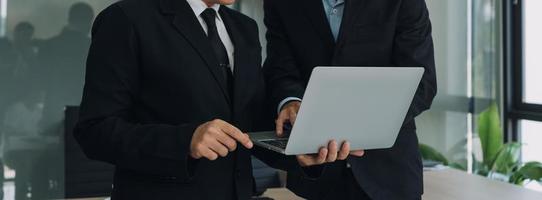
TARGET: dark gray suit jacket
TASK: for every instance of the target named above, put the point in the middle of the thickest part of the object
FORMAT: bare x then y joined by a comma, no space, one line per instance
373,33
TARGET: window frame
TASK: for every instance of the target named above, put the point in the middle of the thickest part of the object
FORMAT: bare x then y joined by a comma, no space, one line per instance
515,108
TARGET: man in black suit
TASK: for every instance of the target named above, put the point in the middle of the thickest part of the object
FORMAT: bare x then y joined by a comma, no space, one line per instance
303,34
170,87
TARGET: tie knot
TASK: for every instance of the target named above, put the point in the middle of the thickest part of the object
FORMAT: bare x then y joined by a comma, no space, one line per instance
209,16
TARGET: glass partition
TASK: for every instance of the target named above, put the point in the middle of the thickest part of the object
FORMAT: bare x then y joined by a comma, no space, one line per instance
532,44
43,48
486,63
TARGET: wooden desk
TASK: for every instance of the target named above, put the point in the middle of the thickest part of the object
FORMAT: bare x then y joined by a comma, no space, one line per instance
448,184
281,194
452,184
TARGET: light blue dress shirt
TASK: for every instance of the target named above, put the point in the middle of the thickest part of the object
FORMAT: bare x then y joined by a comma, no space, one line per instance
334,12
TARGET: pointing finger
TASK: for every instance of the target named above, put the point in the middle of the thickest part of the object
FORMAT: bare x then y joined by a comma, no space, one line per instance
236,134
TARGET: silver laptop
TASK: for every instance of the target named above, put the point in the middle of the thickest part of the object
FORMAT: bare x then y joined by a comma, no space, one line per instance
363,105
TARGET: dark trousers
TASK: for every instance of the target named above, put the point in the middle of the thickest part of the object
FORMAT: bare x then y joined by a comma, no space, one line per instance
349,189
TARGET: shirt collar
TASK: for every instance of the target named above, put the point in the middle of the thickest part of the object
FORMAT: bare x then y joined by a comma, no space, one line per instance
198,6
334,3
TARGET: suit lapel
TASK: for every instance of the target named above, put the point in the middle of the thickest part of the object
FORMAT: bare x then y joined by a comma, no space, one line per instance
243,73
185,22
316,13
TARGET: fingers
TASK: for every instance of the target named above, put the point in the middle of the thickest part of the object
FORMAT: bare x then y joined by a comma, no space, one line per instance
227,141
216,138
218,148
292,116
236,134
303,160
358,153
287,114
242,138
207,153
345,150
279,123
322,154
310,160
329,154
332,151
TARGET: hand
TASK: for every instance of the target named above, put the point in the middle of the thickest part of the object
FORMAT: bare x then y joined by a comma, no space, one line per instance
217,138
287,114
328,154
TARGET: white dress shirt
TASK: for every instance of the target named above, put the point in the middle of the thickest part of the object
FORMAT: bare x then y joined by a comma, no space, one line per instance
198,6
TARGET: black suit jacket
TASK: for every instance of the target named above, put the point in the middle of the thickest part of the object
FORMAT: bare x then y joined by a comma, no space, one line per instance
151,79
373,33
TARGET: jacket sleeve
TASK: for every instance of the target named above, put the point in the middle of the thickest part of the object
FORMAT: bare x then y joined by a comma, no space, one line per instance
106,130
413,46
283,78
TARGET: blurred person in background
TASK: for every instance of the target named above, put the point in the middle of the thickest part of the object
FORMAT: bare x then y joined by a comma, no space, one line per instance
38,79
26,52
63,60
22,106
61,74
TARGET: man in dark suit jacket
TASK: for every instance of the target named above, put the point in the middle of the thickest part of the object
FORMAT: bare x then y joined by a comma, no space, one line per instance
170,86
303,34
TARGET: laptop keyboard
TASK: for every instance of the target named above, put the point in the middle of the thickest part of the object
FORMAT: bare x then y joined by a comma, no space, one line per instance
277,143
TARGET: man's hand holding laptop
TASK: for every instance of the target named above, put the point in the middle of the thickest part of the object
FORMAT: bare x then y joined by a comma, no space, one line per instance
328,154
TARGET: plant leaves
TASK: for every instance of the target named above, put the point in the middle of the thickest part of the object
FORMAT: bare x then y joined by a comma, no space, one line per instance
459,166
507,159
479,167
490,133
530,171
429,153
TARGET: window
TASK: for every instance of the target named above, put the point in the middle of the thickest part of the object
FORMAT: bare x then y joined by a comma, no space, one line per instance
531,137
532,46
523,76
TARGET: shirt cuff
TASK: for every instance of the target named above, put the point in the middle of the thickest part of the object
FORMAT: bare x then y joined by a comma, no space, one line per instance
286,100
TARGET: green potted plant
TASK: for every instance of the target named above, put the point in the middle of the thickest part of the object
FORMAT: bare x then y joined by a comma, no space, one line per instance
500,161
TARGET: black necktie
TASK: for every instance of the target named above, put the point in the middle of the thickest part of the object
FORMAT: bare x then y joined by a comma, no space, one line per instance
209,16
